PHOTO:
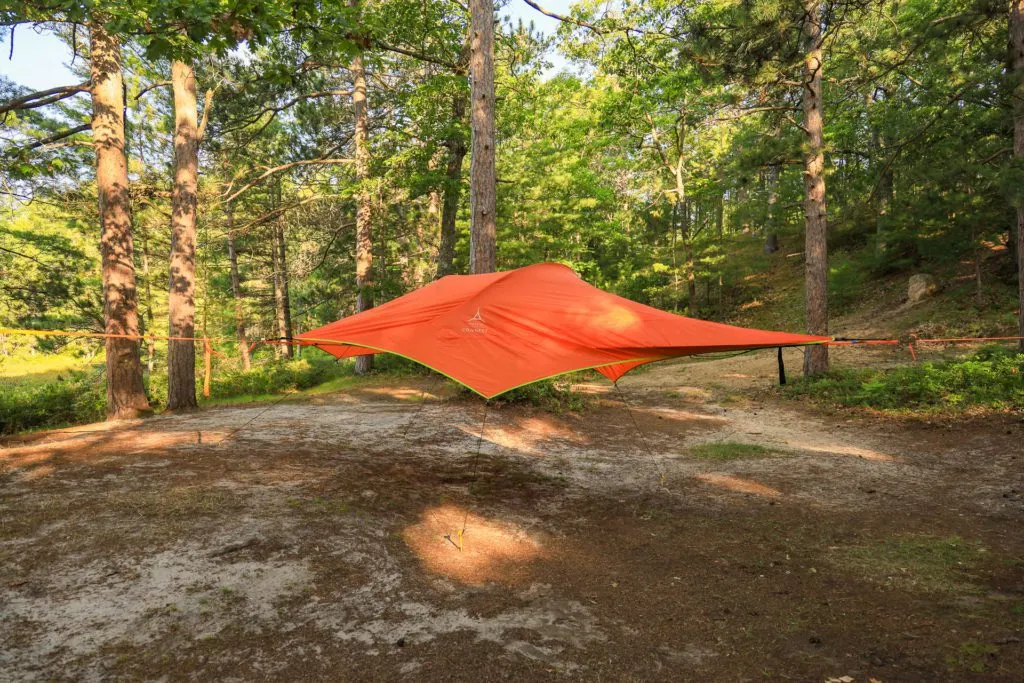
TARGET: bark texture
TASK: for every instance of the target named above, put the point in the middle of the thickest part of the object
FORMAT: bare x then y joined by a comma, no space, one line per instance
815,213
148,282
1017,61
126,395
364,213
181,302
236,290
275,256
483,176
285,300
456,144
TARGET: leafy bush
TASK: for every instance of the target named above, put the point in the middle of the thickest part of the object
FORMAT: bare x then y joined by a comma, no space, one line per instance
557,395
73,399
846,282
80,397
992,378
276,377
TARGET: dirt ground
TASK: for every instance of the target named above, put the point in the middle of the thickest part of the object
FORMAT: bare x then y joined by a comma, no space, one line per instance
371,535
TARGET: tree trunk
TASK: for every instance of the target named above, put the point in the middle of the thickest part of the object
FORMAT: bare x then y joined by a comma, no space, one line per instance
126,395
364,199
181,303
236,290
815,213
456,144
150,343
691,280
720,228
483,176
771,239
1017,61
286,297
275,259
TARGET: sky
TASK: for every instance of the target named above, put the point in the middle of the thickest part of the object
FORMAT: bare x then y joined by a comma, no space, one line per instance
40,60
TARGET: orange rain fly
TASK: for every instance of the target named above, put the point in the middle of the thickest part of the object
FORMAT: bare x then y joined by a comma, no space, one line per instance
498,331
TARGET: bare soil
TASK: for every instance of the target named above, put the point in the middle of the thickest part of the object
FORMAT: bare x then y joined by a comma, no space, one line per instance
370,535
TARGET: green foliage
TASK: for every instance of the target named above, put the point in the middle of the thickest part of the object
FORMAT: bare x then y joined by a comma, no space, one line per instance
74,398
559,395
991,378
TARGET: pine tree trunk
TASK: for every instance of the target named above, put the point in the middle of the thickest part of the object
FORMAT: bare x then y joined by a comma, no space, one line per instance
181,304
126,395
236,290
364,213
286,297
1017,61
483,175
150,344
456,145
280,349
691,280
815,213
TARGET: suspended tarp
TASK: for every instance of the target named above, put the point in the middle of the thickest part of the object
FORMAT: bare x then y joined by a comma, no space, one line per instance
498,331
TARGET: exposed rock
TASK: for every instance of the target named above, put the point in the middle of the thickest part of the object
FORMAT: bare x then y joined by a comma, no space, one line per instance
921,287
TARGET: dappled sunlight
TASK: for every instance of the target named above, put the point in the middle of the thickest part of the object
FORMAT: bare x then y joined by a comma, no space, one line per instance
486,551
38,472
678,414
738,484
604,314
525,434
401,393
93,444
836,449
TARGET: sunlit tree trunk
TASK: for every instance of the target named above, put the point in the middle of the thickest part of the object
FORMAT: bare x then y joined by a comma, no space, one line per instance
364,212
181,304
483,175
816,226
236,289
281,349
126,395
147,280
1017,60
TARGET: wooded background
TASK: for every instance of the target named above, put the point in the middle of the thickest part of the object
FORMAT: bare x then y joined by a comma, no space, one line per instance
257,169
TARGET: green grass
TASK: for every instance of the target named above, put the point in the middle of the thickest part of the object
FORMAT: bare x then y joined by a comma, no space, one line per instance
38,400
991,378
923,563
730,450
42,368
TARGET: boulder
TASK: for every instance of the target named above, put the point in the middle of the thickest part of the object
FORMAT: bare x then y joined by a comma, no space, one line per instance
920,287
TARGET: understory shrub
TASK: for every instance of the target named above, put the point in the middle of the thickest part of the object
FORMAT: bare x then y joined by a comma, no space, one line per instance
75,398
559,394
991,378
275,377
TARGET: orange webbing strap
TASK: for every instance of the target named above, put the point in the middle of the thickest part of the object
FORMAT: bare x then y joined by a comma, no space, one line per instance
953,340
862,342
100,335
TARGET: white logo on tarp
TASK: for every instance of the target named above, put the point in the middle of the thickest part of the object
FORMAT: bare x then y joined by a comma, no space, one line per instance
476,324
